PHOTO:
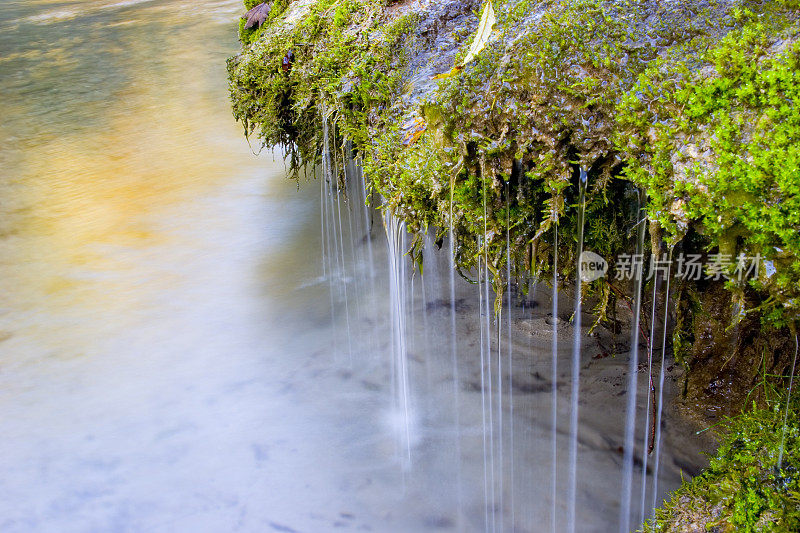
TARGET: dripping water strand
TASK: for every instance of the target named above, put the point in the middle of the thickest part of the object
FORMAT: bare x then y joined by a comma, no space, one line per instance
633,366
322,227
454,362
330,174
355,250
650,418
488,339
343,268
500,489
334,268
411,317
509,354
395,231
531,412
483,394
554,378
367,224
426,337
657,462
367,232
576,361
327,260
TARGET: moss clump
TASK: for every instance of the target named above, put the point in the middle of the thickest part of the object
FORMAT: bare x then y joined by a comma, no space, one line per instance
744,488
345,62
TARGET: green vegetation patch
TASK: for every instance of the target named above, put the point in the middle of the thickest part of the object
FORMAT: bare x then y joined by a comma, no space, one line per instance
714,137
337,61
744,489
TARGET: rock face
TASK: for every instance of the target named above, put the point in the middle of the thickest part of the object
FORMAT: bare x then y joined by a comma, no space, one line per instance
687,110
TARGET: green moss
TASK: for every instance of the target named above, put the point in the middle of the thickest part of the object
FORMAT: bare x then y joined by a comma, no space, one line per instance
713,136
509,162
346,59
744,488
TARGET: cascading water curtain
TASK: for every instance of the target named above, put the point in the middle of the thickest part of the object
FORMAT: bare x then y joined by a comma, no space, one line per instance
337,266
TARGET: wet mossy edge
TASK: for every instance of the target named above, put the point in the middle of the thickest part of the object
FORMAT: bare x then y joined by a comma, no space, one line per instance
752,483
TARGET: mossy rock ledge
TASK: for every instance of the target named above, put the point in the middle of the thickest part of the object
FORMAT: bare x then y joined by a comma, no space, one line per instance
688,112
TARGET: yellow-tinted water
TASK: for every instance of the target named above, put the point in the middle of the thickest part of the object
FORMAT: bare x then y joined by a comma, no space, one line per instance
115,127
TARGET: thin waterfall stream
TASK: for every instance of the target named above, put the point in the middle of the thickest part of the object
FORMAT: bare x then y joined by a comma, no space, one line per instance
649,426
633,372
577,336
401,416
554,381
661,379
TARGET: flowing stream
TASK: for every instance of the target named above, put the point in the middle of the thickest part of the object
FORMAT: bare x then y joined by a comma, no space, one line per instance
189,341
